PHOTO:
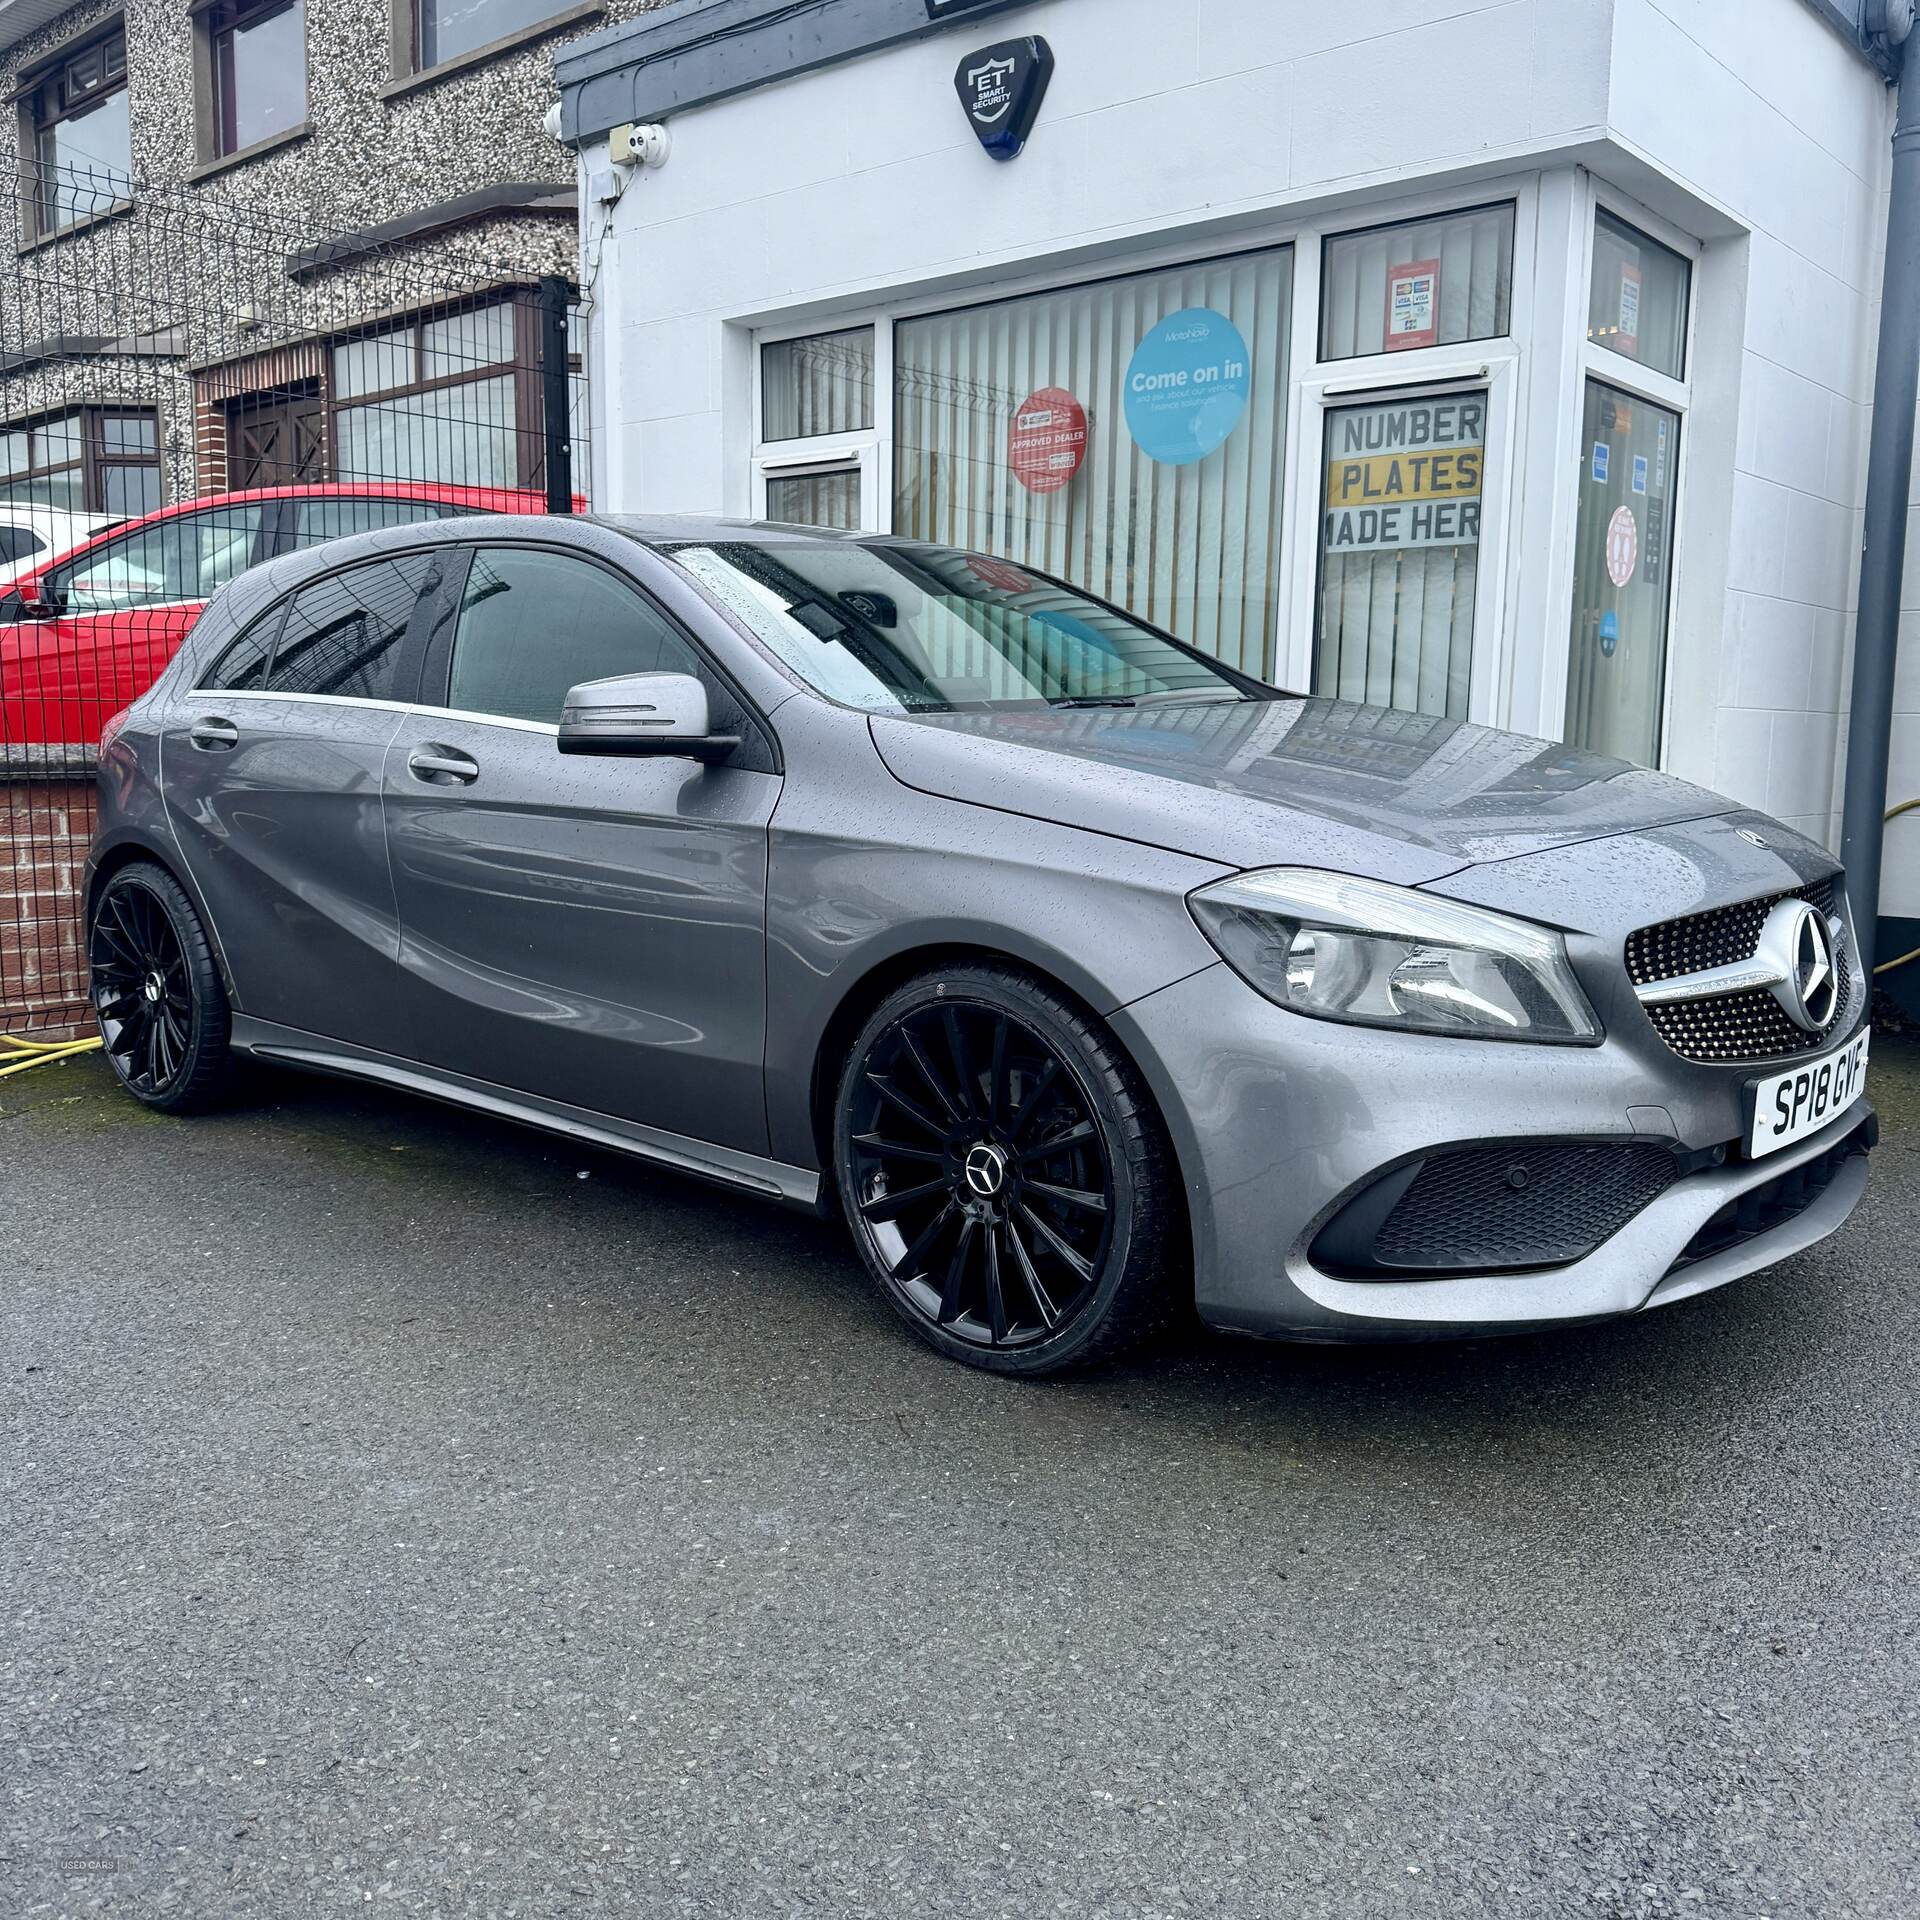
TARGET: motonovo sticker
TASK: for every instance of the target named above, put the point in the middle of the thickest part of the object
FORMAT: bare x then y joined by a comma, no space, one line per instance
1188,386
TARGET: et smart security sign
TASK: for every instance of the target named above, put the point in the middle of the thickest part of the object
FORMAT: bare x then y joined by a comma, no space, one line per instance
1188,386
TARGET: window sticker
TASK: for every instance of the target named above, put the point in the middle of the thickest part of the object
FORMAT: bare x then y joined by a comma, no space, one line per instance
1602,457
1413,305
1188,386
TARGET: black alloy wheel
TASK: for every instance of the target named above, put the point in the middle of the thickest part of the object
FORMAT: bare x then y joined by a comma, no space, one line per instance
164,1019
1002,1172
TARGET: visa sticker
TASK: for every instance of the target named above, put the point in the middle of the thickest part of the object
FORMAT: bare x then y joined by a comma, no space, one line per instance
1602,455
1639,473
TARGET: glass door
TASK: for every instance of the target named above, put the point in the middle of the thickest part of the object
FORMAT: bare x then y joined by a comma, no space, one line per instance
1403,487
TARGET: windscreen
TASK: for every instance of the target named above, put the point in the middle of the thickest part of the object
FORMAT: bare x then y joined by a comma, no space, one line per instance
933,630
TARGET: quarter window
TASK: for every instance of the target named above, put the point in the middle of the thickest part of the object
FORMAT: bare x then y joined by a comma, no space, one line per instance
82,139
188,558
533,625
344,633
243,667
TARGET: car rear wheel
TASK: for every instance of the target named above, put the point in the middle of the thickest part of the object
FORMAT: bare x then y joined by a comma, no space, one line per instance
157,994
1004,1174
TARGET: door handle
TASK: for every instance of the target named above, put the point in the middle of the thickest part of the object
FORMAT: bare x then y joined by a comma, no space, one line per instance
214,735
439,765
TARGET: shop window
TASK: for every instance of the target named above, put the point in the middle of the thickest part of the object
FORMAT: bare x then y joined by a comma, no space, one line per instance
1637,304
1417,283
1400,550
89,460
1127,436
437,399
817,385
82,141
446,30
1623,561
255,54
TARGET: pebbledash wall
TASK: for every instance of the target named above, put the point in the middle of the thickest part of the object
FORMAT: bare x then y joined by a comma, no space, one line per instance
1217,155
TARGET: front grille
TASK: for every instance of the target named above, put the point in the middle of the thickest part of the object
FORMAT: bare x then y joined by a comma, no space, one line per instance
1774,1202
1518,1204
1729,1026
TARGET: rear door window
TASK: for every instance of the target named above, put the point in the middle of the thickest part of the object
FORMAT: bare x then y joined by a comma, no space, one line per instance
187,558
345,633
533,624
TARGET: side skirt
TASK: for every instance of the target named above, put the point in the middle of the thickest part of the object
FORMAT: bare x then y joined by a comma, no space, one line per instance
288,1046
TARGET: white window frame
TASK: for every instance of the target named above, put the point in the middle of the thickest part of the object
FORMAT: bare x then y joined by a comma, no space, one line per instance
868,452
1495,364
1593,362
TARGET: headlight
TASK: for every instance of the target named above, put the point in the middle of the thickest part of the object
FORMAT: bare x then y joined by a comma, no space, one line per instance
1341,948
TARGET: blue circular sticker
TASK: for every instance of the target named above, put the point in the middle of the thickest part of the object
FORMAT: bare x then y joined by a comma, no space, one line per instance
1188,386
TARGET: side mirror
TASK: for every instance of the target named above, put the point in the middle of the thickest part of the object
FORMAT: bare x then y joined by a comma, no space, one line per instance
39,598
642,713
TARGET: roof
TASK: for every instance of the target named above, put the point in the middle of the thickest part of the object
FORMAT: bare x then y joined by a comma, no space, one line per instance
18,18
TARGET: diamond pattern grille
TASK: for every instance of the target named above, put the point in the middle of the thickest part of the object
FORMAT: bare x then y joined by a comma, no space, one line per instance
1731,1026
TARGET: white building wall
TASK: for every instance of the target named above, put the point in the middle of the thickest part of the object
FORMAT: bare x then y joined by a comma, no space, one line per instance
1806,177
1745,123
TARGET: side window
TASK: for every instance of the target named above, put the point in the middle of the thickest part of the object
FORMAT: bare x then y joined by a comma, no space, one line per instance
534,624
243,667
344,632
190,557
329,519
19,543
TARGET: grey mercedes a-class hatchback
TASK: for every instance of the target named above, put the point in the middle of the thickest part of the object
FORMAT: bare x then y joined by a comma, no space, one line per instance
1087,978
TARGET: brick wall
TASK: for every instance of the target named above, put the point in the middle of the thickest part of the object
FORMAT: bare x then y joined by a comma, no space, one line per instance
45,825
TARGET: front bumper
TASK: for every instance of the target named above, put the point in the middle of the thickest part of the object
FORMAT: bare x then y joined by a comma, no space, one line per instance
1277,1120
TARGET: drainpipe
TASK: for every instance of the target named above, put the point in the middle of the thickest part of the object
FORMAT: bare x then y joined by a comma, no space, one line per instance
1889,473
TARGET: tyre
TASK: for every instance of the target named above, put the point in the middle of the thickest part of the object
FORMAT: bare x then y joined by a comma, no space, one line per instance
1004,1174
164,1019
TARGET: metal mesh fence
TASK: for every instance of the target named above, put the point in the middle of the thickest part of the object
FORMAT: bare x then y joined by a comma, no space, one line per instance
189,387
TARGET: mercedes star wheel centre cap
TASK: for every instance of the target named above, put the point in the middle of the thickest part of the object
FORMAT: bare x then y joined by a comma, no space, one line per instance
986,1169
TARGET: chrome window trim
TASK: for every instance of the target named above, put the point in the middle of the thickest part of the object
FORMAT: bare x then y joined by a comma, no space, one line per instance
381,706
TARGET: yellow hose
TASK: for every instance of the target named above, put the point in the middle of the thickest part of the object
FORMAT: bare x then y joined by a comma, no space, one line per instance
36,1053
1887,966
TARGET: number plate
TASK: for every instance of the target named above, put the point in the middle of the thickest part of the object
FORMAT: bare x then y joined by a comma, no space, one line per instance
1792,1105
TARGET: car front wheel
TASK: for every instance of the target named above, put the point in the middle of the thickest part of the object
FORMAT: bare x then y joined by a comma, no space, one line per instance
164,1019
1004,1173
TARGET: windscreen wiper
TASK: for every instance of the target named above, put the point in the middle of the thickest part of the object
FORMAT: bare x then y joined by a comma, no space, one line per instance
1093,700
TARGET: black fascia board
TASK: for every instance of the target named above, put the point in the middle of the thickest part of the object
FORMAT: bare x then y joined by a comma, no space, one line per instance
691,52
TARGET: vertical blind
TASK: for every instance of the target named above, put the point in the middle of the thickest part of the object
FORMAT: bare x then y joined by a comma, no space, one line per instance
821,384
1471,301
1193,548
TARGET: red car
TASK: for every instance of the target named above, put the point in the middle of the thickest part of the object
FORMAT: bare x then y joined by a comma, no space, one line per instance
92,629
